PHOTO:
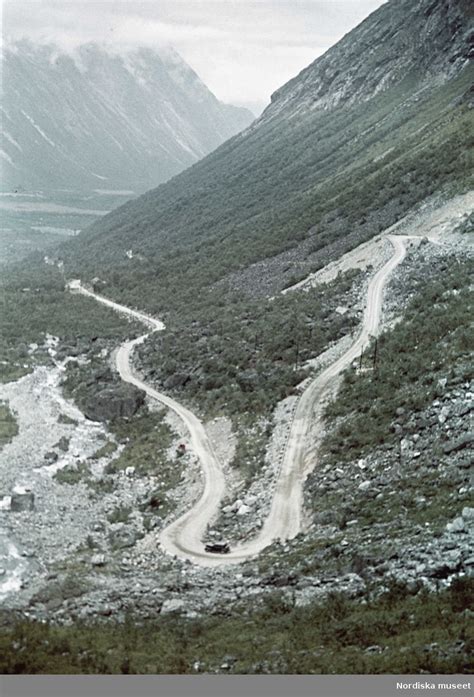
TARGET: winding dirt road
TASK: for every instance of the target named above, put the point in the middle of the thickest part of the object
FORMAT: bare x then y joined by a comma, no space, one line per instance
183,537
186,533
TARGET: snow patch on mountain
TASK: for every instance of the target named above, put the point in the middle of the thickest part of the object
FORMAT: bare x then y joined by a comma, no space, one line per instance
12,140
40,131
137,117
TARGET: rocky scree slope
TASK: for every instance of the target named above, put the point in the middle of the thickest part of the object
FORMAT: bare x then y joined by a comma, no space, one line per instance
325,167
96,119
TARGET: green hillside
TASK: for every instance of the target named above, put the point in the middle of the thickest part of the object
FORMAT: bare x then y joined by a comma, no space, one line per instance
342,177
304,181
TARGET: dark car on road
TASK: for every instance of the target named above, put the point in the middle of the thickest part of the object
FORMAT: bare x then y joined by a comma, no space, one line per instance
217,547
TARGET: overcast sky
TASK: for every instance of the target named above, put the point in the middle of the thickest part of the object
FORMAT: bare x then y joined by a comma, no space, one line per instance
242,49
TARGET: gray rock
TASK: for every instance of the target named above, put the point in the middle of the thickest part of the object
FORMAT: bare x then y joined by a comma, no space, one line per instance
98,560
468,513
443,415
54,604
173,605
123,537
457,525
459,444
63,444
176,380
228,662
114,402
22,501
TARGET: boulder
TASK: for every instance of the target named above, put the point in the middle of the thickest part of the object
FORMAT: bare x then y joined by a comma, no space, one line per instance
62,444
443,415
228,662
279,581
457,525
248,380
123,537
172,605
459,444
176,380
22,501
363,486
114,402
325,517
468,513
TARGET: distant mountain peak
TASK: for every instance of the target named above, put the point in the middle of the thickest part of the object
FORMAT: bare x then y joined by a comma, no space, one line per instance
364,134
134,117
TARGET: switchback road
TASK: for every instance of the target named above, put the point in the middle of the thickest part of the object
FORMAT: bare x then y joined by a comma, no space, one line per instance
183,537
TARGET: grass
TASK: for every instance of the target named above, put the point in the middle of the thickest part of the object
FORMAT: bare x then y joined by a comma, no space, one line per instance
8,425
105,450
404,634
120,515
323,184
252,441
147,438
12,370
432,341
245,355
73,474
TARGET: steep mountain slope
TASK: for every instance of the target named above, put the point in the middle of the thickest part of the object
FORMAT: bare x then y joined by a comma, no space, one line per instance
95,119
388,504
371,128
422,38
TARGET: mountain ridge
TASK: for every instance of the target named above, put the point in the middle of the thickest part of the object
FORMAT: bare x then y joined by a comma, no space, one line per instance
399,47
301,186
95,115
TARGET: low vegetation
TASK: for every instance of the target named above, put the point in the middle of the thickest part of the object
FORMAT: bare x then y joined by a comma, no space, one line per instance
432,341
73,474
147,439
338,177
35,304
8,425
252,441
396,633
237,356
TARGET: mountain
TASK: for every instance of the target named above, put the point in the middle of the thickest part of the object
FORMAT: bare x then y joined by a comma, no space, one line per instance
367,131
375,479
423,39
94,119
